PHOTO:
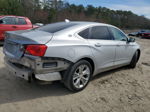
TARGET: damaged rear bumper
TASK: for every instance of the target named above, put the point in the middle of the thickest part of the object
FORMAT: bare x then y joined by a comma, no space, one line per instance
44,69
20,72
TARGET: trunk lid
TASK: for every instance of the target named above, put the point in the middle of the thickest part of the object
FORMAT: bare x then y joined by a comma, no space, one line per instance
29,36
16,40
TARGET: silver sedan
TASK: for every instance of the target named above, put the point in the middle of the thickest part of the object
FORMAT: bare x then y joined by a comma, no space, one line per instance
72,52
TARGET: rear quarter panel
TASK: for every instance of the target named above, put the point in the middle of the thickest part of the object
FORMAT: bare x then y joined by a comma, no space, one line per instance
68,47
25,26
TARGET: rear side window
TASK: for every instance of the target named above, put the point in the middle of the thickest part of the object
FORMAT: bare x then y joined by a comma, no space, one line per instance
52,28
21,21
100,33
84,33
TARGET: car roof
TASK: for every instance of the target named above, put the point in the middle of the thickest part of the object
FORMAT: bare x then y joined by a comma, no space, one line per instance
84,24
11,16
71,26
88,23
81,25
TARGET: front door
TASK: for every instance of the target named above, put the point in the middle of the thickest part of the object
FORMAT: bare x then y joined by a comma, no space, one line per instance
123,48
9,24
22,24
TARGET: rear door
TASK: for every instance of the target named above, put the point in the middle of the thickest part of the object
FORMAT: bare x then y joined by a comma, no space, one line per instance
103,47
22,24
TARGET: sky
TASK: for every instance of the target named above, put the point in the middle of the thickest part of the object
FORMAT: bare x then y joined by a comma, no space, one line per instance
139,7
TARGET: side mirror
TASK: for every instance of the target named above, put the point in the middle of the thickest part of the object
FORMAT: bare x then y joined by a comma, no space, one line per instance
131,40
1,21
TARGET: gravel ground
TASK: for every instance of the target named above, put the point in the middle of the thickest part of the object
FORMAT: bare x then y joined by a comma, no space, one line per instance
119,90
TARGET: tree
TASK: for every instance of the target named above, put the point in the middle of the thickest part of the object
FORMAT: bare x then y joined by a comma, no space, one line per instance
47,11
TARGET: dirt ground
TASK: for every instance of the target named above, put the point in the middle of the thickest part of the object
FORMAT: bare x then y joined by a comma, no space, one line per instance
120,90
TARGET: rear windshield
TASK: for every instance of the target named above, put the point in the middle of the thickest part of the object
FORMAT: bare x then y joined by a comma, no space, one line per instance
55,27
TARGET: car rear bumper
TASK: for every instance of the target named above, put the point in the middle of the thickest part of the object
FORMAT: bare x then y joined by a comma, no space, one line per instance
41,69
19,72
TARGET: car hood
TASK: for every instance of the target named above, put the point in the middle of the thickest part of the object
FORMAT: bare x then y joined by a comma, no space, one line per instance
29,36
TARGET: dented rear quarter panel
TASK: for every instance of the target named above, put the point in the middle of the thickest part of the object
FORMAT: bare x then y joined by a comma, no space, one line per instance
68,47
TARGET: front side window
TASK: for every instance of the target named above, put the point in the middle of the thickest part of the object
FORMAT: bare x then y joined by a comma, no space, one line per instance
9,20
117,34
100,33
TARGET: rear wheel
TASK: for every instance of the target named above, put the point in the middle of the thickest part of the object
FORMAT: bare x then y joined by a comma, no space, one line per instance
78,76
134,60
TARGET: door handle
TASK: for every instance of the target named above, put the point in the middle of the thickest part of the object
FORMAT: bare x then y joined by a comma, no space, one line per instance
14,26
97,45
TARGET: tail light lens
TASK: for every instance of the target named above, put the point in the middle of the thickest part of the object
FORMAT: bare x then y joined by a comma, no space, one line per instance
36,50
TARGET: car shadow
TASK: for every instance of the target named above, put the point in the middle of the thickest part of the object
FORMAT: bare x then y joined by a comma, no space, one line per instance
13,89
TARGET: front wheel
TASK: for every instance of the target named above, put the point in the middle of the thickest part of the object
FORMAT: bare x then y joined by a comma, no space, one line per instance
78,76
134,60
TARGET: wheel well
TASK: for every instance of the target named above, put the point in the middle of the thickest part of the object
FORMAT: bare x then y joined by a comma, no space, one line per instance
139,53
91,62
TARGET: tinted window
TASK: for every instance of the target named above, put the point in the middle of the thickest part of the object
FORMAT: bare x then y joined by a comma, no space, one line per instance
9,20
99,32
21,21
84,33
52,28
117,34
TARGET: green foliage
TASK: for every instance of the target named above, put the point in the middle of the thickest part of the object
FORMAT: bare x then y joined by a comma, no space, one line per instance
47,11
11,7
90,10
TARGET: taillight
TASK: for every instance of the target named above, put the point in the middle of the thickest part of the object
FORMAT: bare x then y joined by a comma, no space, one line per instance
36,50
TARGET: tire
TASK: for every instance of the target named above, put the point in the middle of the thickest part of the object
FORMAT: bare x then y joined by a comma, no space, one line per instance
134,60
78,76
